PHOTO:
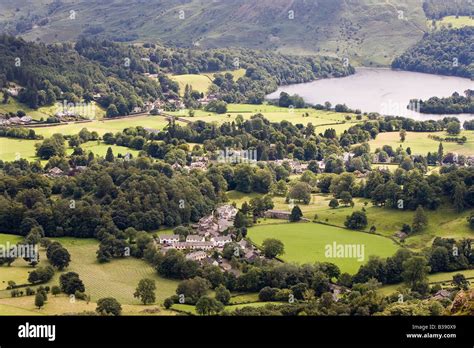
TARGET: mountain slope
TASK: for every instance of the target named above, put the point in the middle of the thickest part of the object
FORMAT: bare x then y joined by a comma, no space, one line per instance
366,31
445,52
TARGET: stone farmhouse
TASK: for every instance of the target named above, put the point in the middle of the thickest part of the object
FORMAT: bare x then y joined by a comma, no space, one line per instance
195,239
278,214
196,256
220,242
193,246
168,239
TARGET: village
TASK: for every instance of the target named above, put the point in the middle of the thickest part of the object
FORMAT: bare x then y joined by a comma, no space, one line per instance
211,235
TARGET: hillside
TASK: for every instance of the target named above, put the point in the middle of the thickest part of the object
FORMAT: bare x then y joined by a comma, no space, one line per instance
115,75
366,31
444,52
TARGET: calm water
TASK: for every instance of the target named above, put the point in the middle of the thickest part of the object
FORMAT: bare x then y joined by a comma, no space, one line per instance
381,90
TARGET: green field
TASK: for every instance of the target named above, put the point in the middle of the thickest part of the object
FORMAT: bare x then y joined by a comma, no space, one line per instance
5,238
61,305
13,106
118,278
102,127
443,222
12,149
321,119
100,149
306,242
421,144
202,82
454,22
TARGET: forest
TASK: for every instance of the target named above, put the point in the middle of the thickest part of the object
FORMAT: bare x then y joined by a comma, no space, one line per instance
444,52
455,104
113,74
437,9
53,72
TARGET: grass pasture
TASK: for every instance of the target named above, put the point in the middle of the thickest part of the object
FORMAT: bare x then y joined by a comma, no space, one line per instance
100,149
202,82
306,243
117,279
421,144
102,127
61,305
321,119
12,149
44,112
444,222
13,106
454,22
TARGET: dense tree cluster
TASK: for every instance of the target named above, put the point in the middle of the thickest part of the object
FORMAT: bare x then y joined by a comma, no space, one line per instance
437,9
59,72
445,255
445,52
103,201
19,133
456,104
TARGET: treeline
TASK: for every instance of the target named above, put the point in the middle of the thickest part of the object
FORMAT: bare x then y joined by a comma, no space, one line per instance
445,255
437,9
456,104
19,133
444,52
468,125
406,186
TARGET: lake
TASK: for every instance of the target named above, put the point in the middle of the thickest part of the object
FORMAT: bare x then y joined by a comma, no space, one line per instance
385,91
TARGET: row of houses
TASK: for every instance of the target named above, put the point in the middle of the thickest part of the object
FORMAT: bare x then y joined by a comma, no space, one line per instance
57,172
15,121
194,242
199,163
207,99
217,222
249,253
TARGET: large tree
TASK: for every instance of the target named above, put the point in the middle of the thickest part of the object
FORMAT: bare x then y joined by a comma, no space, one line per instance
273,248
416,271
208,306
420,220
296,214
70,283
145,291
356,221
108,306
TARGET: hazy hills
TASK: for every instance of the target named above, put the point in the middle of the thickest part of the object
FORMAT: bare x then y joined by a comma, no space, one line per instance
366,31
